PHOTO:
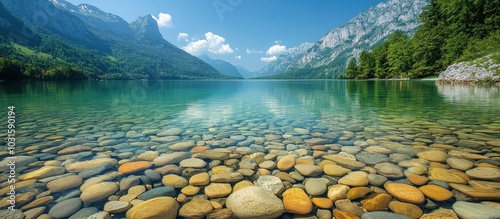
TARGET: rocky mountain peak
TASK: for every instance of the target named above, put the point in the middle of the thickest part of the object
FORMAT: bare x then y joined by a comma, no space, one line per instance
146,28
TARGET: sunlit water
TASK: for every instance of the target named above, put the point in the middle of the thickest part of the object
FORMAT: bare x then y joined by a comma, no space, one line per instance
230,114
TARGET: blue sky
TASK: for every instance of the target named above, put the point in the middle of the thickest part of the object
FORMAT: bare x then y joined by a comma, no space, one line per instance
243,32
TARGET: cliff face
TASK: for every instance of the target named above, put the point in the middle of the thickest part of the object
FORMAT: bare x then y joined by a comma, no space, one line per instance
328,57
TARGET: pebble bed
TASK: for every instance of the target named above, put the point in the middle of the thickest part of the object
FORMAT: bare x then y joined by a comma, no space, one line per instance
129,164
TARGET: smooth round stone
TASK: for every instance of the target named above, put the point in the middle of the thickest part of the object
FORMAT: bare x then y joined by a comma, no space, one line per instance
384,215
406,209
221,169
376,180
193,163
389,170
99,191
200,179
296,201
254,202
218,190
271,183
337,192
153,175
196,208
308,170
358,192
377,203
157,192
286,163
433,155
242,184
357,178
296,176
148,155
132,167
30,214
74,149
45,171
436,193
301,131
347,206
417,180
467,210
335,170
14,214
267,165
136,190
315,186
65,208
459,163
170,132
190,190
84,165
440,213
98,215
405,193
324,203
171,158
161,207
84,213
484,173
371,158
117,206
445,175
182,146
174,181
64,183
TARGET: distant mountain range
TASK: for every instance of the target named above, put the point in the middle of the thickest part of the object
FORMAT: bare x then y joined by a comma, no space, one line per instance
222,66
112,48
328,57
105,46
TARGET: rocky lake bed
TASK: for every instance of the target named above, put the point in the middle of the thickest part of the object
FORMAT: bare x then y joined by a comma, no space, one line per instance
256,168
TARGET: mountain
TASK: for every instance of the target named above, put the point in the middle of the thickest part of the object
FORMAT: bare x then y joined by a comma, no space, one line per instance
284,60
14,28
222,66
100,44
328,57
245,72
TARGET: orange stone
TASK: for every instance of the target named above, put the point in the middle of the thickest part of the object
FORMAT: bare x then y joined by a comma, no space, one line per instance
199,149
358,192
378,203
322,202
344,215
417,180
296,201
131,167
436,193
405,193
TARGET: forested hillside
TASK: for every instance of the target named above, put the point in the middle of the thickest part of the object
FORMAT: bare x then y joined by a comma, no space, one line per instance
452,31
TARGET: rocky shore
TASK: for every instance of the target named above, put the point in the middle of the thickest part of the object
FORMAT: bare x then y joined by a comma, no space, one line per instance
479,71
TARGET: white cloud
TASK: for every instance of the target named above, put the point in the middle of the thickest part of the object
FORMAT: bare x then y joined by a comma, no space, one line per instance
183,36
212,43
276,49
269,59
251,51
237,57
164,20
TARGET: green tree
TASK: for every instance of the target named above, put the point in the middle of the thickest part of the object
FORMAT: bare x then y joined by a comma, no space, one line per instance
10,70
399,53
352,68
366,65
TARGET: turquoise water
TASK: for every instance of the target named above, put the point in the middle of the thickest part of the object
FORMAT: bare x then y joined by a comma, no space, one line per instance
244,115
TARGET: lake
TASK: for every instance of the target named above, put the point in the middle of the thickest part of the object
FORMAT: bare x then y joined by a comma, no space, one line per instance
354,133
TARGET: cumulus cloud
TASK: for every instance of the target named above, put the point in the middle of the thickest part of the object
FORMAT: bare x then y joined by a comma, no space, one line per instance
276,49
269,59
237,57
251,51
212,43
164,20
182,36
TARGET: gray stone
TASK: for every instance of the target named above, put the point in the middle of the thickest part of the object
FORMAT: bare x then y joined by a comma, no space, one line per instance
157,192
315,186
15,214
467,210
255,202
65,208
272,184
96,170
383,214
84,213
153,175
372,159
